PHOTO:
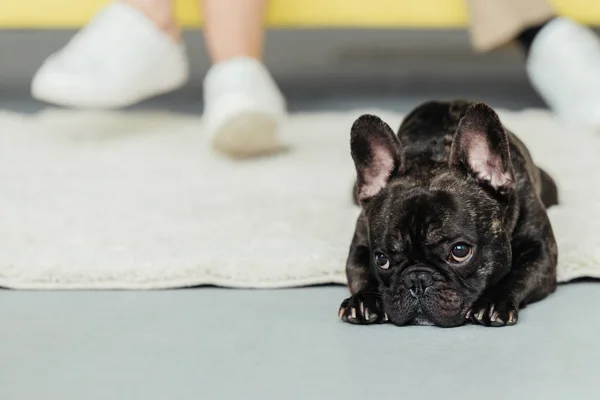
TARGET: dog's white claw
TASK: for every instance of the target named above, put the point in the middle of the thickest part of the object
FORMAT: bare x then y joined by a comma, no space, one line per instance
366,313
362,308
468,316
479,315
353,313
493,316
385,317
341,313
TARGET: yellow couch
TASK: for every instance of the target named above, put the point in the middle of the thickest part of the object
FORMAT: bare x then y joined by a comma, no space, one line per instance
40,14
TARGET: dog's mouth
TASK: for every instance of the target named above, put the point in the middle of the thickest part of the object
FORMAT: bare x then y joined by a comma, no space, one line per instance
440,306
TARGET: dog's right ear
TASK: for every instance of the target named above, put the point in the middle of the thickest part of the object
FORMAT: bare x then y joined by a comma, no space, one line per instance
377,154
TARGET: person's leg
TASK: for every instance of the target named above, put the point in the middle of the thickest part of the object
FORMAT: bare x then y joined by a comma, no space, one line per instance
130,51
161,13
563,57
243,106
234,28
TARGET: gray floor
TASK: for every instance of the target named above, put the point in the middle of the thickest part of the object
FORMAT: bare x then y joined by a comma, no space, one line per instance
228,344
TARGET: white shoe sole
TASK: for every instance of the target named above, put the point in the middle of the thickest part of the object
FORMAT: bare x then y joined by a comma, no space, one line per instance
248,134
67,96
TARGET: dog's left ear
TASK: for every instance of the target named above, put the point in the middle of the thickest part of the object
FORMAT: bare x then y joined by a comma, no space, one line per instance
481,147
377,154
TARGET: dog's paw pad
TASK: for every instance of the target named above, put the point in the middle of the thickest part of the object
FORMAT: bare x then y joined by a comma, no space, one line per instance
362,309
501,312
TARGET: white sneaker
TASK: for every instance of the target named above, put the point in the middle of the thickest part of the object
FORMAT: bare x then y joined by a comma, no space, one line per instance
564,67
118,59
243,108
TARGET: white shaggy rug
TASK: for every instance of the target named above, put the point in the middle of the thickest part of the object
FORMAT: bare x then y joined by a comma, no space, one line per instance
138,201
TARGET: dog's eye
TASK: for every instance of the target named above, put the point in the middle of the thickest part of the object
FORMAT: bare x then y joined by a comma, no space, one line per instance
382,261
460,253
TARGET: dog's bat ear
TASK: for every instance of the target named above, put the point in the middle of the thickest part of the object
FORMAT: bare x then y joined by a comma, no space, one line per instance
377,154
481,148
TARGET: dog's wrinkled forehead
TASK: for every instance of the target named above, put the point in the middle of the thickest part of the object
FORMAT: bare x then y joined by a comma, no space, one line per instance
421,214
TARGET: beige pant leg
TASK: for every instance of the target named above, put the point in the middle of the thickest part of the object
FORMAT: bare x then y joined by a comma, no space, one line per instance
497,22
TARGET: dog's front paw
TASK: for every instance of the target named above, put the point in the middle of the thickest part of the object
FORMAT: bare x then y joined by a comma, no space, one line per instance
363,308
494,310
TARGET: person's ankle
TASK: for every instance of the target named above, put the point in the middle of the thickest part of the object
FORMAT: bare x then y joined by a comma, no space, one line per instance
160,12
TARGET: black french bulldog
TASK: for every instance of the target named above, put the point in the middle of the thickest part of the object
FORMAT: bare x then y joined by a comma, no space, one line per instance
453,227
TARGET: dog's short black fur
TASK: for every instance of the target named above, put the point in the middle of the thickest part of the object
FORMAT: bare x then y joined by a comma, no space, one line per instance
453,227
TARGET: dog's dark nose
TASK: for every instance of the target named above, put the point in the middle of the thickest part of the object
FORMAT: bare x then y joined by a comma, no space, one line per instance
418,281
